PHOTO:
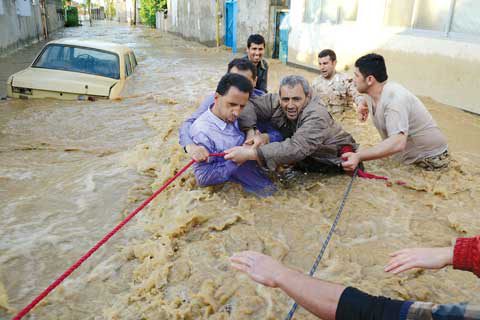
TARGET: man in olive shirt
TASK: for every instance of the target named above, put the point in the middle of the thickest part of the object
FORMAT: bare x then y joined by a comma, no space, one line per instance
313,140
408,130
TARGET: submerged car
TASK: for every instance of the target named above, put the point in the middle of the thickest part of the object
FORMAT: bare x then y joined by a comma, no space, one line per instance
75,69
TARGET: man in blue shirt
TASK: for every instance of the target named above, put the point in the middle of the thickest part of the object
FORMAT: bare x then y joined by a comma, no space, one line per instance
217,130
199,153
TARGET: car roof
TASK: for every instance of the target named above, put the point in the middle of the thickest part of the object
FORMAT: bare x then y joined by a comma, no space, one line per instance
95,44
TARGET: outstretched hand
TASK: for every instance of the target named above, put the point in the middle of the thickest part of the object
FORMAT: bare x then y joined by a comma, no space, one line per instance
427,258
261,268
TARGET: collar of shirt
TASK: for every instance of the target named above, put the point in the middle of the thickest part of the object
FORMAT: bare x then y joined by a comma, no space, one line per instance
257,92
260,65
222,125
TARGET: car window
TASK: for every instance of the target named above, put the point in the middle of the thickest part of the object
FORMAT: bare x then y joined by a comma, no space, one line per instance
133,59
128,65
79,59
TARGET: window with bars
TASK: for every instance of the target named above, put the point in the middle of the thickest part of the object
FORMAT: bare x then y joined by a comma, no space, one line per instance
332,11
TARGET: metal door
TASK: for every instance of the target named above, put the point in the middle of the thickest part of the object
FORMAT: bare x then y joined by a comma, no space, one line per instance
231,24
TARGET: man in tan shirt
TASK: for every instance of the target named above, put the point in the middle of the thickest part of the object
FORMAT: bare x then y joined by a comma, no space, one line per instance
313,139
408,130
336,89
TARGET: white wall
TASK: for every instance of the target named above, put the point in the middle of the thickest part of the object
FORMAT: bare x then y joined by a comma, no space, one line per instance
20,23
196,20
430,64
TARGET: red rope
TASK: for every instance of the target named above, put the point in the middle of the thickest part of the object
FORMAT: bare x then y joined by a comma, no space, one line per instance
77,264
364,174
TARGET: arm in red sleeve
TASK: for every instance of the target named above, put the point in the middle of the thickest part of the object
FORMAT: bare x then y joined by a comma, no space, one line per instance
466,255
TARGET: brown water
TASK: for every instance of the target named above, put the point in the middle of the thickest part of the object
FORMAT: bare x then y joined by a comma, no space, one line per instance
70,171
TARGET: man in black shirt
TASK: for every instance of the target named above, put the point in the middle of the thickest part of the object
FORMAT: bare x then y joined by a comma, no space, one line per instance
255,51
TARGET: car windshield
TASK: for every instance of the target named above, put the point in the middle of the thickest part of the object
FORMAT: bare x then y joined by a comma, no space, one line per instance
79,59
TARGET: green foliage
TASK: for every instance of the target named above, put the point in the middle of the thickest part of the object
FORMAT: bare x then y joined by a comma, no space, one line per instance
148,10
110,10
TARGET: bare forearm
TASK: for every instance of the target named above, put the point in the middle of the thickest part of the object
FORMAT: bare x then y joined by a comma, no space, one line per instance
317,296
386,148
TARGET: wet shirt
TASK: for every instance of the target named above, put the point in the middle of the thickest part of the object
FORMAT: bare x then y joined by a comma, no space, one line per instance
400,111
337,93
314,135
184,132
217,136
262,74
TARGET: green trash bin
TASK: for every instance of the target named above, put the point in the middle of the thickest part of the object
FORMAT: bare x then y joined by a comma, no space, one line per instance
71,17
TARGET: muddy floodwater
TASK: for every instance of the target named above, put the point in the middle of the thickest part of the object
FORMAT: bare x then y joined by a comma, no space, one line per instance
70,171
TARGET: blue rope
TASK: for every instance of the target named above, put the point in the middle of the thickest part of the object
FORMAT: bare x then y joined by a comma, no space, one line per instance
327,240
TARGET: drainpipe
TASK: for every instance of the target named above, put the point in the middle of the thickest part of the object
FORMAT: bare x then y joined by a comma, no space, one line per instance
43,13
217,18
134,12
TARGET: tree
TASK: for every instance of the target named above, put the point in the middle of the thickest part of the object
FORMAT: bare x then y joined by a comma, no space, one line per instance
110,10
89,10
148,10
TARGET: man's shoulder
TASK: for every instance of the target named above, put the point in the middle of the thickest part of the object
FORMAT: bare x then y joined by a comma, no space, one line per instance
319,81
395,88
257,93
267,98
394,94
208,100
342,76
202,124
315,108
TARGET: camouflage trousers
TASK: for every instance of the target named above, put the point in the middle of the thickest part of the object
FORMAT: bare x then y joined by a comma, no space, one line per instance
437,162
431,311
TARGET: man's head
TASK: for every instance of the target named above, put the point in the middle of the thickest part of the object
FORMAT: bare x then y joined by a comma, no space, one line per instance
245,68
369,70
295,93
255,48
327,61
231,96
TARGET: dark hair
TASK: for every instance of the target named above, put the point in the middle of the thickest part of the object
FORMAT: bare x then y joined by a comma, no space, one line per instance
255,38
328,52
234,80
292,81
372,64
243,65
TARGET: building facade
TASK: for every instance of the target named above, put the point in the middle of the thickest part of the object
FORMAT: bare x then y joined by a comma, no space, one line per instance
432,46
21,21
197,20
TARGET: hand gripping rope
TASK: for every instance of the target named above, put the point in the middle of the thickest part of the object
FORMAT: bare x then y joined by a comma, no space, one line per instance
77,264
327,240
